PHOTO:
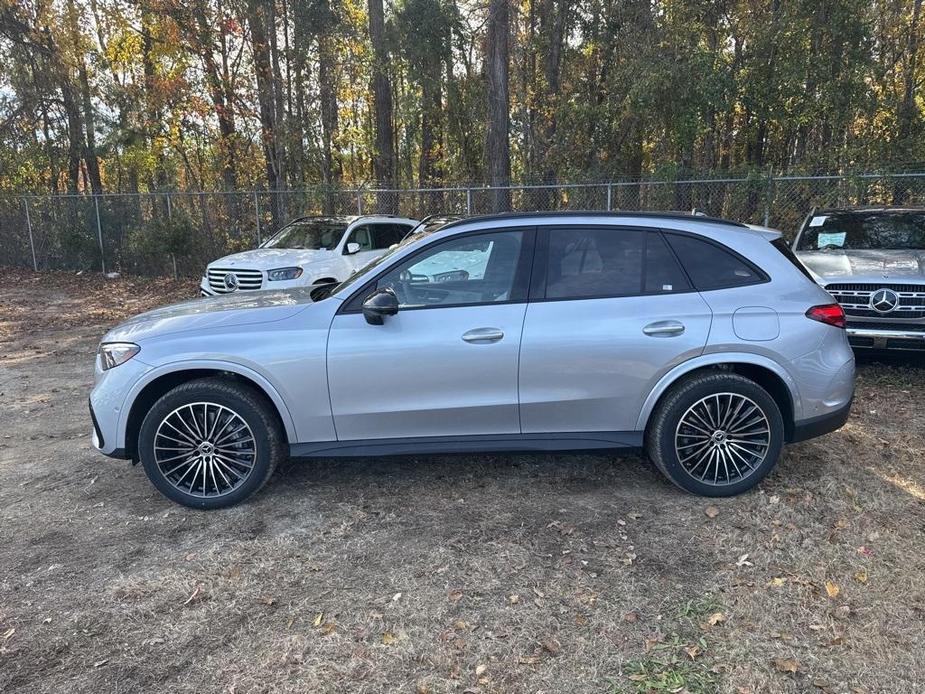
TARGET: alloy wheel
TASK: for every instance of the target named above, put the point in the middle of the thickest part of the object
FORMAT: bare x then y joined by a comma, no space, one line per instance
722,439
205,449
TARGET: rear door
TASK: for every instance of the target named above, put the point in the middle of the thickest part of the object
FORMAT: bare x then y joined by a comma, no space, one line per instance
611,311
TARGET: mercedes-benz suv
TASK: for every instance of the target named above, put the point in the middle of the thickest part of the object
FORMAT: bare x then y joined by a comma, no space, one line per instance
307,251
702,341
872,260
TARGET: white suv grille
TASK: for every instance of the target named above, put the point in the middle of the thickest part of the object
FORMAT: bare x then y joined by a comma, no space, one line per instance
245,279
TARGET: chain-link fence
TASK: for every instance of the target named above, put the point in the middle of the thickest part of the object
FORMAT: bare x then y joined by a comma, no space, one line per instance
177,233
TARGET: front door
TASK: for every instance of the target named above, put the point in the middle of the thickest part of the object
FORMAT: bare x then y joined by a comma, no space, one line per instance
446,364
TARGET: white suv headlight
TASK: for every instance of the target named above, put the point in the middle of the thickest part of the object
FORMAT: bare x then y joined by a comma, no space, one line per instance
284,273
114,353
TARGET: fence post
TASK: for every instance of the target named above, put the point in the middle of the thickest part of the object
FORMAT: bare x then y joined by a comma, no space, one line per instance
468,201
609,196
257,215
768,193
99,232
25,203
169,207
359,202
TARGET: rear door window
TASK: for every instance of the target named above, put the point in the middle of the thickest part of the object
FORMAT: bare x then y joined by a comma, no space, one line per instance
594,262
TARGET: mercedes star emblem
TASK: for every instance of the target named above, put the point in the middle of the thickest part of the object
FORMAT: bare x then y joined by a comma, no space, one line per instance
884,300
231,281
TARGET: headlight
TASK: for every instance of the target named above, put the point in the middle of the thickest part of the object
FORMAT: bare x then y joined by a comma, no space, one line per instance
285,273
115,353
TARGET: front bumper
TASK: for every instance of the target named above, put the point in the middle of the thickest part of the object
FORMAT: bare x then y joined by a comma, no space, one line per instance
108,402
872,337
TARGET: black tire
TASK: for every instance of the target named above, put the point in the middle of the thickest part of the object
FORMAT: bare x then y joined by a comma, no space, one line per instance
250,406
664,435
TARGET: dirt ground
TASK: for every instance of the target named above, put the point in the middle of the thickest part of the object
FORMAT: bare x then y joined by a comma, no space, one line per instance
565,573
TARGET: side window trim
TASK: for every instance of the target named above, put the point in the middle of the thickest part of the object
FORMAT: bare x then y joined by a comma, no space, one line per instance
541,263
522,272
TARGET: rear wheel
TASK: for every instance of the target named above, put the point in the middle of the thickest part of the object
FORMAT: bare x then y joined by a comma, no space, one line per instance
716,434
210,443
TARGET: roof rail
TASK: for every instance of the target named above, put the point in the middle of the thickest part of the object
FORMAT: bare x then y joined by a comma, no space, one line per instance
693,216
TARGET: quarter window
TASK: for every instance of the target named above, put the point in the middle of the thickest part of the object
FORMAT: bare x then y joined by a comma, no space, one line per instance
710,266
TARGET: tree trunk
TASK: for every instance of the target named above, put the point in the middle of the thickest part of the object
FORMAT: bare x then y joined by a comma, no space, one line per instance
497,143
327,85
384,150
269,108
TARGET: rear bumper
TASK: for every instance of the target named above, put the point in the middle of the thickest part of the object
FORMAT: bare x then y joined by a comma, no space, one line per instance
821,425
874,338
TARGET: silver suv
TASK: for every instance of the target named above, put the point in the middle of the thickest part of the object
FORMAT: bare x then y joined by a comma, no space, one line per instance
872,260
702,341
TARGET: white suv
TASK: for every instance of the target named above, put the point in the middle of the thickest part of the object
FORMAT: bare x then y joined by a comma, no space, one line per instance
310,250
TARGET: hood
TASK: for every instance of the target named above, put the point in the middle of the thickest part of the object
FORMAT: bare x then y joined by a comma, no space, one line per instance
240,308
866,266
270,258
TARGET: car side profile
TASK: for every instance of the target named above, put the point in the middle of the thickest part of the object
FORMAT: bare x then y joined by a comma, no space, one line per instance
702,341
307,251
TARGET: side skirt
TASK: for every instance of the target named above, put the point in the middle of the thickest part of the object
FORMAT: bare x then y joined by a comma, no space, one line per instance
491,443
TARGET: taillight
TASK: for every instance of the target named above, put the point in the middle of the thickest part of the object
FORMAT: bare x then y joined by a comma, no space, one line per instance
830,314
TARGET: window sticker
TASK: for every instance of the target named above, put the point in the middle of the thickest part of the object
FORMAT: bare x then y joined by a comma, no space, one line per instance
818,221
835,238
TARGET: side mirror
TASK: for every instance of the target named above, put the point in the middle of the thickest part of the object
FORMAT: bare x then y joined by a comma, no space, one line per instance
352,248
378,305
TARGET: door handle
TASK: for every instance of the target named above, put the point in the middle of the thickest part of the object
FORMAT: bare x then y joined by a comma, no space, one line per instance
664,328
481,335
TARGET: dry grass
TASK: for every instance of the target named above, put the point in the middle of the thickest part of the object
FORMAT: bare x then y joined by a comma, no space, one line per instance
434,574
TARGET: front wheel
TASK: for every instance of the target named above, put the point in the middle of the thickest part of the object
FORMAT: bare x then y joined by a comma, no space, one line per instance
716,434
210,443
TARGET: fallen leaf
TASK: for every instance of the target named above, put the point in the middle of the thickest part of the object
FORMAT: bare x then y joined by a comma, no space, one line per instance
480,670
712,621
396,597
743,561
787,665
581,620
865,551
552,646
777,582
388,638
455,595
631,617
329,628
9,633
861,576
693,651
528,659
513,599
318,620
832,589
638,678
711,511
100,663
629,558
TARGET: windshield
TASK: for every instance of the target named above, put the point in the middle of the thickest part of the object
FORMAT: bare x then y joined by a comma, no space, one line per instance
425,228
864,230
309,234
